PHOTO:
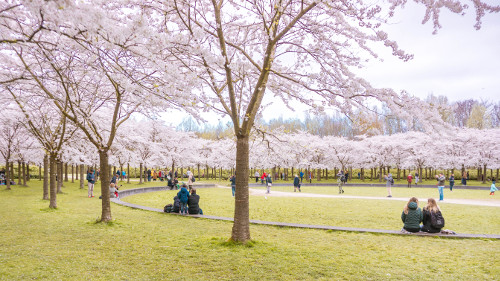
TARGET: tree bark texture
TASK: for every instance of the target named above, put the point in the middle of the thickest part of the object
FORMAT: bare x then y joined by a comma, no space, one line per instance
27,172
128,173
7,175
140,173
18,172
24,174
66,172
59,176
241,226
53,185
72,173
46,177
105,179
82,183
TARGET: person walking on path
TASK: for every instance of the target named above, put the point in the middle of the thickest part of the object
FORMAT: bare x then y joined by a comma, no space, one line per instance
257,176
452,182
441,179
91,182
389,181
493,188
269,183
183,195
301,176
412,216
296,183
409,179
340,180
263,178
417,178
232,179
464,178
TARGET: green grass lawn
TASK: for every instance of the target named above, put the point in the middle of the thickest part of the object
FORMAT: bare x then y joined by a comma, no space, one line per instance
67,244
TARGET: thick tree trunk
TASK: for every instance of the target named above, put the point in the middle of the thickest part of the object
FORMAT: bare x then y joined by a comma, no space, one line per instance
46,177
82,183
198,172
105,179
241,226
53,185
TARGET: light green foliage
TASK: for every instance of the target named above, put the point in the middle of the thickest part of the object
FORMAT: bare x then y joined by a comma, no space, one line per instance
67,244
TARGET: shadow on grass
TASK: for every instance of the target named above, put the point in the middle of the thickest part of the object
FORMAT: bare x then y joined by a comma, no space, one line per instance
228,243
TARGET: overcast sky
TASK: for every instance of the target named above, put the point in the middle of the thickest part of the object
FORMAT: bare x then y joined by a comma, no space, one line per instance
459,62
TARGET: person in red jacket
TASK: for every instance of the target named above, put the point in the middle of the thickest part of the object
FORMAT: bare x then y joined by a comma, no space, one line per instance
409,179
263,177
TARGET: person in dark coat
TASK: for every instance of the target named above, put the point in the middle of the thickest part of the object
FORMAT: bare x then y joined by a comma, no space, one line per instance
193,203
296,183
183,195
412,216
232,179
432,207
177,204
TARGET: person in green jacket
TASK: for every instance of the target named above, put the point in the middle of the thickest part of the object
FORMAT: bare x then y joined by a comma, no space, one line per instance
412,216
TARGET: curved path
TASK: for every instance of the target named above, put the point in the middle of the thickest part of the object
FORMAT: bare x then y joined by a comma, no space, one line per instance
129,192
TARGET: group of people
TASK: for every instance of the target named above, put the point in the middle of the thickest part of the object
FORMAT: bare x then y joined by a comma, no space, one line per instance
186,202
430,219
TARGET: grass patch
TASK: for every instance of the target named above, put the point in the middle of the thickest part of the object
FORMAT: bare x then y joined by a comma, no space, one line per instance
143,245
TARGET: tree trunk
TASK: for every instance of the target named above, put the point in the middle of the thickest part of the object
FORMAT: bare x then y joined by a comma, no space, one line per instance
198,172
140,173
77,168
72,173
18,173
46,177
484,173
128,172
27,171
380,174
53,185
24,173
241,225
7,175
60,176
82,183
105,179
66,172
40,172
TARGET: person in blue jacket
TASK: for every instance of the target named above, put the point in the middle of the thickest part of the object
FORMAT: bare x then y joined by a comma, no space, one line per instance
296,183
183,195
301,175
232,179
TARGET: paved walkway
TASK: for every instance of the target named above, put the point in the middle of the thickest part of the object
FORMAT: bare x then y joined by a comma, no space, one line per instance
260,192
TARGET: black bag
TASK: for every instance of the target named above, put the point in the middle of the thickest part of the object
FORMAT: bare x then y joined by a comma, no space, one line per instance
168,208
392,181
193,179
437,220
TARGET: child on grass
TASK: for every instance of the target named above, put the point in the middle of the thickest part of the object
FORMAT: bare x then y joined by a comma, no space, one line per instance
493,188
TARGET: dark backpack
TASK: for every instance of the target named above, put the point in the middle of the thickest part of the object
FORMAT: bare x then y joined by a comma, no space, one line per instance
392,181
168,208
193,179
437,220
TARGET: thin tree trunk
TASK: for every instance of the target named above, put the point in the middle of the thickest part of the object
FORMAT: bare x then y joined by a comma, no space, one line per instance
24,174
82,183
241,225
128,172
59,176
72,173
18,173
7,175
106,205
46,177
27,171
40,172
66,172
140,173
53,185
77,168
484,173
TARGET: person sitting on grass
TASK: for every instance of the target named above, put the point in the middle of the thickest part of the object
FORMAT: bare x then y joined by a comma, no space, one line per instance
493,188
177,205
183,197
432,209
113,191
193,203
412,216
